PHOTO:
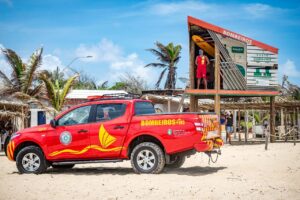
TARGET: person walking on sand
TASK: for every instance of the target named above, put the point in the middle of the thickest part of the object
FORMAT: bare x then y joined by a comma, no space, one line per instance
201,62
229,127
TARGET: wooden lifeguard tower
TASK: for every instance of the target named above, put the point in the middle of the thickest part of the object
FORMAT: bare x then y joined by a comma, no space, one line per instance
241,67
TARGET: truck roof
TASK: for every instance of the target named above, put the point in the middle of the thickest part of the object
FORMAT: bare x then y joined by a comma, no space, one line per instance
92,102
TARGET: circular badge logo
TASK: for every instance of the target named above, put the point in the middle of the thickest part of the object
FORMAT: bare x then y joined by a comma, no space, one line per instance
65,138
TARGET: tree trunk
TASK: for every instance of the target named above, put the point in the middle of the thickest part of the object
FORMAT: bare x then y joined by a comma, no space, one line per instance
171,78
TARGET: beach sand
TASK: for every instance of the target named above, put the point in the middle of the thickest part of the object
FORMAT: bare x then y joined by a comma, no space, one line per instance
242,172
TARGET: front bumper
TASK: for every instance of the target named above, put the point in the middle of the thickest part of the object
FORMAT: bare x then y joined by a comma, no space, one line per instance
10,150
208,145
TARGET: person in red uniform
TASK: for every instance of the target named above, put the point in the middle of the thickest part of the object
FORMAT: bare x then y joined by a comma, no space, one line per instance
201,63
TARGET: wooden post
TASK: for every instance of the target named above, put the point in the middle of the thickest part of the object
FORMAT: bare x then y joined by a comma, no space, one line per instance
217,82
285,124
196,104
192,75
246,126
239,124
234,123
169,104
192,103
180,106
281,117
298,122
272,119
192,64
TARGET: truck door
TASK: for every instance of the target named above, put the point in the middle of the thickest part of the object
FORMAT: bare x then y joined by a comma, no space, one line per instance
70,138
107,133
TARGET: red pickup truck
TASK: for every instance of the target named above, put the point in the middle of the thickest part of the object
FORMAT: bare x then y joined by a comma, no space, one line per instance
113,130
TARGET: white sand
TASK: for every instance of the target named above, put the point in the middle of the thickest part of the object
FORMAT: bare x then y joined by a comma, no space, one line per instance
242,172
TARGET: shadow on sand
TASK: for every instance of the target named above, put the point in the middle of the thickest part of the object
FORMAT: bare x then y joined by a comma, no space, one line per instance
189,171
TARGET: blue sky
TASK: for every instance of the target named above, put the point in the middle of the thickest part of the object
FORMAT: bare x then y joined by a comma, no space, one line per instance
116,33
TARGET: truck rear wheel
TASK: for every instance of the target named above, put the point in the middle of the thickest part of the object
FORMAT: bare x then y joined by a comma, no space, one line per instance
177,162
147,158
31,160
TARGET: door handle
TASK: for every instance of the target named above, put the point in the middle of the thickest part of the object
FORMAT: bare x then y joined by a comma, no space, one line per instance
118,127
82,131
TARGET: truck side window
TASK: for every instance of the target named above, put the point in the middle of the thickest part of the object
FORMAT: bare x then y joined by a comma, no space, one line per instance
109,111
143,107
77,116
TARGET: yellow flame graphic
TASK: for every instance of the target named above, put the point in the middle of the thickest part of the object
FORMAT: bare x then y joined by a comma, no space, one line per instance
105,140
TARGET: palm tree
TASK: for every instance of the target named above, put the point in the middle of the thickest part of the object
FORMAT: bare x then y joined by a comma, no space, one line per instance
56,91
23,80
168,56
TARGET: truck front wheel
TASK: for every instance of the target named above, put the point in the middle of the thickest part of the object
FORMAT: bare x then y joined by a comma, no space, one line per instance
148,158
31,159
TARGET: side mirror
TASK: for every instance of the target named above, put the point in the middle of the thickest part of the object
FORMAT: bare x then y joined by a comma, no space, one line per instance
53,123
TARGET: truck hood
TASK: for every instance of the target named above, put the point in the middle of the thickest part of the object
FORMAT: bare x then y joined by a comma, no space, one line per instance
36,129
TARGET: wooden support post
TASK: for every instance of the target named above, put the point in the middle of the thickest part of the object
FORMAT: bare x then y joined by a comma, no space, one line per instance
272,119
192,75
217,82
239,124
298,122
192,103
180,106
196,104
281,117
234,123
246,126
192,64
169,104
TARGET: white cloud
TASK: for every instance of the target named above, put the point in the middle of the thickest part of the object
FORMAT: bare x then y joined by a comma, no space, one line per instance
109,53
179,7
289,68
259,10
207,10
104,51
7,2
50,62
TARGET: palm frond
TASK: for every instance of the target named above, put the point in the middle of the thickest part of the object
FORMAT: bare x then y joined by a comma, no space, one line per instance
160,77
162,57
162,48
6,80
36,91
51,90
67,88
15,63
161,65
30,72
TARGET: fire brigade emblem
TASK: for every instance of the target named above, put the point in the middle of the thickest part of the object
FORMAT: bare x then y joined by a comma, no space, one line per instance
65,138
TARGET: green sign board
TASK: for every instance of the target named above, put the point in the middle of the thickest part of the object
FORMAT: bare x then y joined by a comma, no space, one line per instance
237,49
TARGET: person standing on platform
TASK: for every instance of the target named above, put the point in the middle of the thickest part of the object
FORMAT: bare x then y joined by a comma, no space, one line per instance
201,62
229,127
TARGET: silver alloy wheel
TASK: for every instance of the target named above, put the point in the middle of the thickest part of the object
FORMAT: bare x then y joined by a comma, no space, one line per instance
146,160
31,162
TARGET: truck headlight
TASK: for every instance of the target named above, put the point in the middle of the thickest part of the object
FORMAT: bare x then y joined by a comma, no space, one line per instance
14,135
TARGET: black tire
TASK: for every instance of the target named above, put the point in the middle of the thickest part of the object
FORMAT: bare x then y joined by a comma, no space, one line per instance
63,166
177,162
156,153
37,153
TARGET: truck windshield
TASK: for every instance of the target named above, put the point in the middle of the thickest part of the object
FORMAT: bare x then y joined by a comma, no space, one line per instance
141,108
